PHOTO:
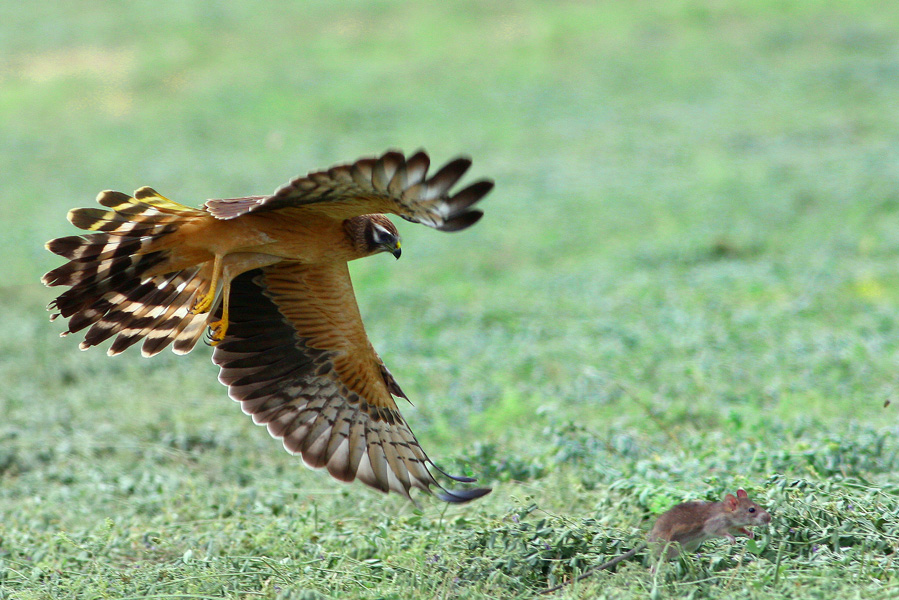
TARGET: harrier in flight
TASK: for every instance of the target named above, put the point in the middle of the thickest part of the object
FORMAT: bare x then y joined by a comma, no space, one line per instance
267,277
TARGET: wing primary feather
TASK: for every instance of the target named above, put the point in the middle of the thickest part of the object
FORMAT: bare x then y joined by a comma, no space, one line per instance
459,478
469,195
377,458
395,462
357,445
362,172
398,182
417,167
462,221
385,168
447,177
462,496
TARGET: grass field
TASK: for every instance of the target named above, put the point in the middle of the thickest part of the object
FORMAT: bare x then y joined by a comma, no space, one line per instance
686,282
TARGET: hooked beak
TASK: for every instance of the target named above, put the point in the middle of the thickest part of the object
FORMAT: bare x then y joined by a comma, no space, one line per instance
397,250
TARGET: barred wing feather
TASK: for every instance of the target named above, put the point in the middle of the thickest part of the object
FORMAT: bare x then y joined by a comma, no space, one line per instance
390,183
297,359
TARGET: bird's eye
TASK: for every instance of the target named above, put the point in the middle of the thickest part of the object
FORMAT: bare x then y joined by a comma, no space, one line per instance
752,510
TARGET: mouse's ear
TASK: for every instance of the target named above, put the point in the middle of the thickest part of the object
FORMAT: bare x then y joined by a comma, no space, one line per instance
742,494
730,502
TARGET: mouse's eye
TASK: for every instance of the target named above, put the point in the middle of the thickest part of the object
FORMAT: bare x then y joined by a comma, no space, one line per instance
751,509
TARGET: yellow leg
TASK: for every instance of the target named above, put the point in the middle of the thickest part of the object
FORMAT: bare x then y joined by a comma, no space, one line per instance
236,263
217,329
204,303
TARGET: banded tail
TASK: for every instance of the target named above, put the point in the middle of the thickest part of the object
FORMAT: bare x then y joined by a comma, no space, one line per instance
119,284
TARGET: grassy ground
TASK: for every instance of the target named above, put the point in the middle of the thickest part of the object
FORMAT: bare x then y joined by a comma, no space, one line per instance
686,282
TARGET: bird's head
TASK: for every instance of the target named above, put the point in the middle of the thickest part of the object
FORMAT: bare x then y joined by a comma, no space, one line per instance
371,234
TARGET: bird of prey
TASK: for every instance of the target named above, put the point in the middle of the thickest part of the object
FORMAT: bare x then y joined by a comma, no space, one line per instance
266,277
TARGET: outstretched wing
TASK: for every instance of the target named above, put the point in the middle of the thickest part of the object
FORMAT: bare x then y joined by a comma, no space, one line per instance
297,359
389,184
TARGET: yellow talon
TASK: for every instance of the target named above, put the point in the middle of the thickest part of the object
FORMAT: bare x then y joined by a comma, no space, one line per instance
217,331
203,303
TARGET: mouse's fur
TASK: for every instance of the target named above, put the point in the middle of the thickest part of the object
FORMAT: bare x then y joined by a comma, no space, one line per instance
688,525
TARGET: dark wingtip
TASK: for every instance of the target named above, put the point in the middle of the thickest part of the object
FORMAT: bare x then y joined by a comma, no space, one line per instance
470,195
447,176
461,221
145,192
459,478
394,154
460,164
459,496
112,199
55,277
65,246
462,496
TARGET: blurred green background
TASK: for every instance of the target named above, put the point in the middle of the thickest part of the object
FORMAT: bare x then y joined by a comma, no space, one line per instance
685,282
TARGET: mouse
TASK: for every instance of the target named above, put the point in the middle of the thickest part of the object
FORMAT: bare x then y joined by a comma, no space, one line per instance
687,525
